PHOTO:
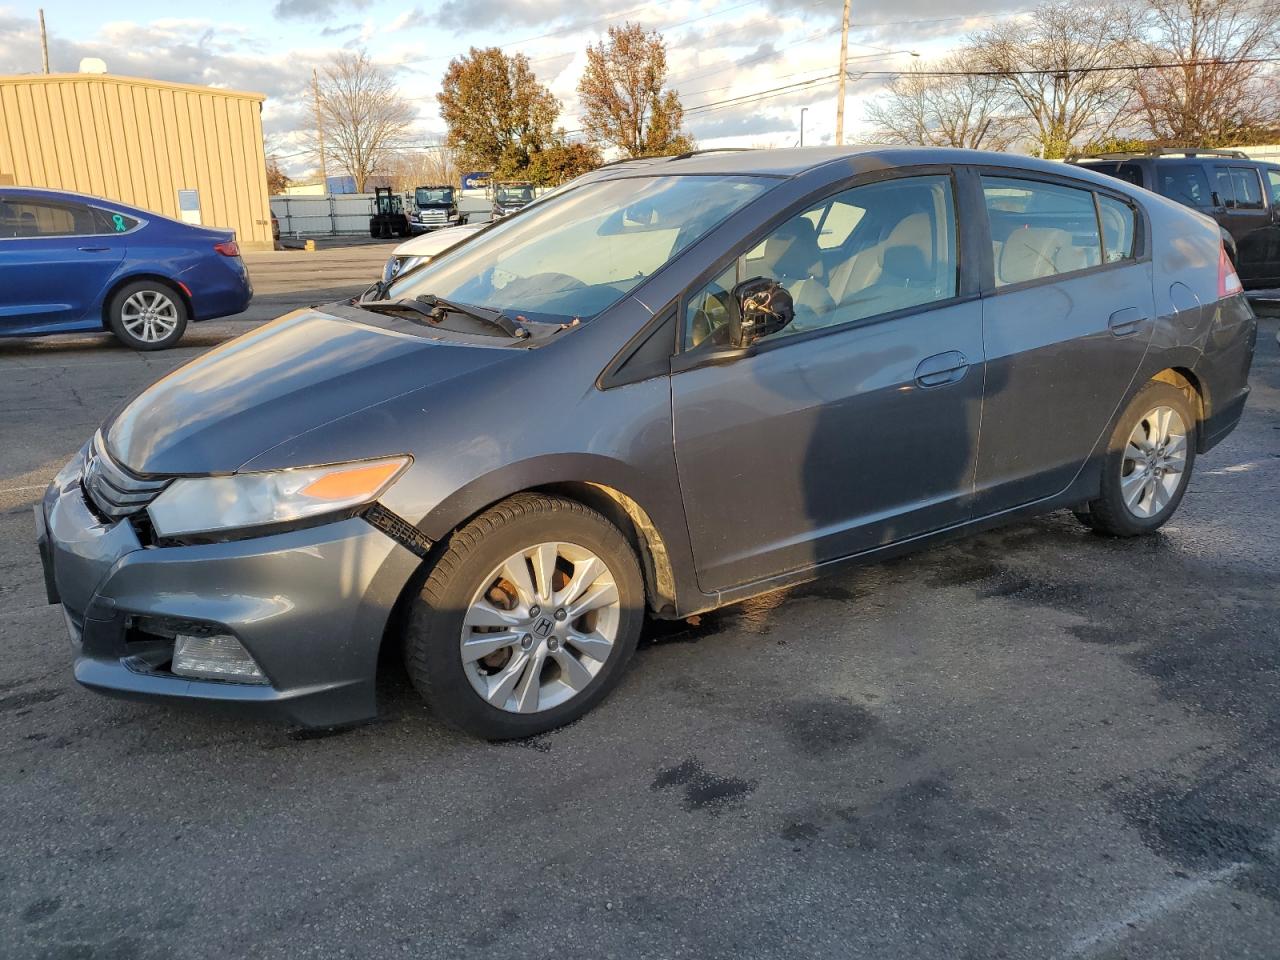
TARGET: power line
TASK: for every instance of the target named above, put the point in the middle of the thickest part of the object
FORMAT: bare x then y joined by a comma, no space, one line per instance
1115,68
758,95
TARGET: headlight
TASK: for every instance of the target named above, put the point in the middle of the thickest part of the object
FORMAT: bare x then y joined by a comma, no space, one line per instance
244,500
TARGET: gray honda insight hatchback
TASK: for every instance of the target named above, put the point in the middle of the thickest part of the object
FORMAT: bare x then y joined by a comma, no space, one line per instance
669,388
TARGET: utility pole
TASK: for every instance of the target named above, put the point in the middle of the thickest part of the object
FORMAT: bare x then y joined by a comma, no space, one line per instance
315,99
44,42
844,67
803,110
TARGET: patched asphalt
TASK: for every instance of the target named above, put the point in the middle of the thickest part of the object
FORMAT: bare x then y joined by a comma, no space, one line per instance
1031,743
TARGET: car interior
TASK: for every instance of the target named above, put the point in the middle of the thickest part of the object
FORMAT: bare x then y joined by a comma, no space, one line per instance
868,251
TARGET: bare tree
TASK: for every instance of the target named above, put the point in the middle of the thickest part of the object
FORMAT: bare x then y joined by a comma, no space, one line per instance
435,165
622,94
361,113
962,110
1208,95
1055,63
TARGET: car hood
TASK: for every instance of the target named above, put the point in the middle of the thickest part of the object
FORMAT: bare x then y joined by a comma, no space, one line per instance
429,244
287,377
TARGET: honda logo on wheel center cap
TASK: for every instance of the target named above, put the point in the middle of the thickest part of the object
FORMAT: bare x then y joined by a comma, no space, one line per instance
543,627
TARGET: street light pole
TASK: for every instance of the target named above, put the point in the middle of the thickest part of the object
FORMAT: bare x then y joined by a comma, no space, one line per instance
803,111
844,67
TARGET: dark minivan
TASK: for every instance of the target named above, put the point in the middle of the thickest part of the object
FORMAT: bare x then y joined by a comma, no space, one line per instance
666,389
1241,194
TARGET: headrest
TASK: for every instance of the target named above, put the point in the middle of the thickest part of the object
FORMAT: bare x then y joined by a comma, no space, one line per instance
904,264
791,252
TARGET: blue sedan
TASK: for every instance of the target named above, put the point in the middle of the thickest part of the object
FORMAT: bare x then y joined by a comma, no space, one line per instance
72,263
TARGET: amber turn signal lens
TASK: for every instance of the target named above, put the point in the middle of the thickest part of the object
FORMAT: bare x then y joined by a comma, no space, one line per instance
351,482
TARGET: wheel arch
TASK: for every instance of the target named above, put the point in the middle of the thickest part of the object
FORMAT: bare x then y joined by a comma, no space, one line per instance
1193,387
637,526
121,282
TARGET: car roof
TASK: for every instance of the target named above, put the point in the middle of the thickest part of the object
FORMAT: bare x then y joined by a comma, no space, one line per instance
1171,161
48,193
796,161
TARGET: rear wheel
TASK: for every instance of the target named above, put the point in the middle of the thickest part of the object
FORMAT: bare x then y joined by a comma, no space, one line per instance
147,315
1148,464
528,619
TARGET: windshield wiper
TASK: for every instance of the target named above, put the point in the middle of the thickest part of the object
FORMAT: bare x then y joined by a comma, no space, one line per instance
495,317
435,308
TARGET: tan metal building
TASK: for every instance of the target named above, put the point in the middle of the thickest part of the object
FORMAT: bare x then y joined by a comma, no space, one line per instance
189,152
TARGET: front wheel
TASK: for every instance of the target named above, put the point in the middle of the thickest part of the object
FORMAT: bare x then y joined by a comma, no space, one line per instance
1148,463
527,620
147,315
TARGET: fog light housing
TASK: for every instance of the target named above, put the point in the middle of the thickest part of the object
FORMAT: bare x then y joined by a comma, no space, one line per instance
215,656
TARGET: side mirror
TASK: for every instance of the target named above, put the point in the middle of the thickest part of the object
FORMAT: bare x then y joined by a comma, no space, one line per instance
763,307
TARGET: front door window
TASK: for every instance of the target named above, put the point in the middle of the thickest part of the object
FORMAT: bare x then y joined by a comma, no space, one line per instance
865,252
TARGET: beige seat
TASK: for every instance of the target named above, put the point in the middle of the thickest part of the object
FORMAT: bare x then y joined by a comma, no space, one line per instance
1031,253
864,268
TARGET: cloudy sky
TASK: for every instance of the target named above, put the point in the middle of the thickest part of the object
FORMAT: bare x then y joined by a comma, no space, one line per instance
717,50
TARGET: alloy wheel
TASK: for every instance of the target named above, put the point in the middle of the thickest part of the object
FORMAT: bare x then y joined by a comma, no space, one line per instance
540,627
149,315
1154,461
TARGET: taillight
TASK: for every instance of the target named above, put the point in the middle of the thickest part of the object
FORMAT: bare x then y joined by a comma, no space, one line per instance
228,248
1228,280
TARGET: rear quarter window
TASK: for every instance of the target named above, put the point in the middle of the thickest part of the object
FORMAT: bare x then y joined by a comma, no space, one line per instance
109,221
1119,229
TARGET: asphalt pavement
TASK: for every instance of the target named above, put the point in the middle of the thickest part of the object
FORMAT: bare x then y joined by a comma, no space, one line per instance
1032,743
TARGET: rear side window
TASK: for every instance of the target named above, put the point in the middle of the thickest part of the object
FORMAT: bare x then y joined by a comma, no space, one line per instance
1238,187
1185,184
1040,230
35,218
1119,228
1248,189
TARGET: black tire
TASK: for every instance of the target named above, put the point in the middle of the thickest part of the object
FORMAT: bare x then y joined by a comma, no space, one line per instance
1108,514
434,629
171,302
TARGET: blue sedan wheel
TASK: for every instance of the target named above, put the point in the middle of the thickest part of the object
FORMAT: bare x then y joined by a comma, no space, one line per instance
147,316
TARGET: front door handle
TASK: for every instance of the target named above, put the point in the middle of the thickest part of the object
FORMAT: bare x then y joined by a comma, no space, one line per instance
93,249
1127,321
941,368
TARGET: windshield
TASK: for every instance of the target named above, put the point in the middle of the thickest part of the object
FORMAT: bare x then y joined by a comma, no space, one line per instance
576,254
425,195
515,194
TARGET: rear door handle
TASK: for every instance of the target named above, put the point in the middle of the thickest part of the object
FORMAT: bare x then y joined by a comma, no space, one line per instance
941,368
94,249
1127,321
